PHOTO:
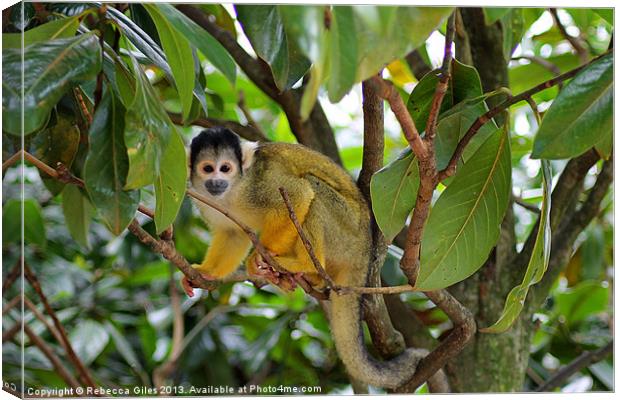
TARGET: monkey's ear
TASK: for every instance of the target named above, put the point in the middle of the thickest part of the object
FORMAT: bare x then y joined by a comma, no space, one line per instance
247,154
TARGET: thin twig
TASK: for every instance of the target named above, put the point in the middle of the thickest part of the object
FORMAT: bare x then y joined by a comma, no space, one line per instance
543,62
442,85
463,332
84,373
9,306
11,160
44,320
15,273
386,91
582,53
486,117
585,359
12,331
530,207
304,239
53,358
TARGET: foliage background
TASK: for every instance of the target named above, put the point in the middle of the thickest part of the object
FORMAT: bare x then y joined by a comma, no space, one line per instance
117,299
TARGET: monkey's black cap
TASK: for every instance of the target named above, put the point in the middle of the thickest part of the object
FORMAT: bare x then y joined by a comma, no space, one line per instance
217,139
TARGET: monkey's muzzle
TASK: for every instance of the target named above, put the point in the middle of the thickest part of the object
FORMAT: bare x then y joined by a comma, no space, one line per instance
216,186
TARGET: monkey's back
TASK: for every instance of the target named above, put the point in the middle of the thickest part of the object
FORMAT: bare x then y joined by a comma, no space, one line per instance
338,207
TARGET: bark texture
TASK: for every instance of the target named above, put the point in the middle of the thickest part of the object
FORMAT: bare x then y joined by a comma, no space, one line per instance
491,362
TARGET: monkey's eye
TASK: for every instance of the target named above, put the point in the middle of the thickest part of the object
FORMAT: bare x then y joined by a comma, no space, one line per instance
208,169
225,168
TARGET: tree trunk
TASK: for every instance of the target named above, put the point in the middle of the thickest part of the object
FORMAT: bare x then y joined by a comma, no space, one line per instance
491,362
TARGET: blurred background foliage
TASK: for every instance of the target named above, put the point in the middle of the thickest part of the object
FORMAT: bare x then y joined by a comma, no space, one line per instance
114,296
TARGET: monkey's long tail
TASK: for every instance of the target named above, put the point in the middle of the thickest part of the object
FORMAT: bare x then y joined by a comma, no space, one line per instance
345,320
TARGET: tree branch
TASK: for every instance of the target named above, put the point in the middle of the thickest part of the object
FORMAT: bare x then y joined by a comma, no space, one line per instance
314,133
585,359
53,358
84,373
372,158
486,117
247,114
582,52
463,331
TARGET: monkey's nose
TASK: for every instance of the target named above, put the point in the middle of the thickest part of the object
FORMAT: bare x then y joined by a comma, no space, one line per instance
216,186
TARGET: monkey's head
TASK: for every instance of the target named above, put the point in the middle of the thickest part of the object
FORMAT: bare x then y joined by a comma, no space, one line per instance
217,159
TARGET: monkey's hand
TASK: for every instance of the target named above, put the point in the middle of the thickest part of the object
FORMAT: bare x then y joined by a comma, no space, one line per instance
259,267
188,286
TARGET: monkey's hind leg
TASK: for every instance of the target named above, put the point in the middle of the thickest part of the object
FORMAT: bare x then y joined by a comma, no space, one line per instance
225,254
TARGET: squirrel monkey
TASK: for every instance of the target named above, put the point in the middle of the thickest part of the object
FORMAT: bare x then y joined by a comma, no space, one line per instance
244,178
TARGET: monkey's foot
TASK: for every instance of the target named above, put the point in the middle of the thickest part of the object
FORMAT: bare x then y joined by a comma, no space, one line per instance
188,285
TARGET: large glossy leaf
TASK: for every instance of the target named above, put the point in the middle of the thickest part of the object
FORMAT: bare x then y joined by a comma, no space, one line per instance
538,261
202,40
393,190
464,84
78,214
385,33
147,132
343,53
60,28
464,223
581,116
105,170
171,182
287,62
34,227
88,339
50,69
454,124
179,55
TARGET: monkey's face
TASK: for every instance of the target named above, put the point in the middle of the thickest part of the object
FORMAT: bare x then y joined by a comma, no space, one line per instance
214,173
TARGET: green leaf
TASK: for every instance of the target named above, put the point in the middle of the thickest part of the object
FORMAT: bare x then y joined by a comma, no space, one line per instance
393,190
606,13
464,223
147,132
538,261
454,124
50,69
582,300
287,62
179,56
385,33
105,170
60,28
492,14
171,182
464,84
605,146
202,40
581,116
34,227
88,339
512,31
78,213
342,53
